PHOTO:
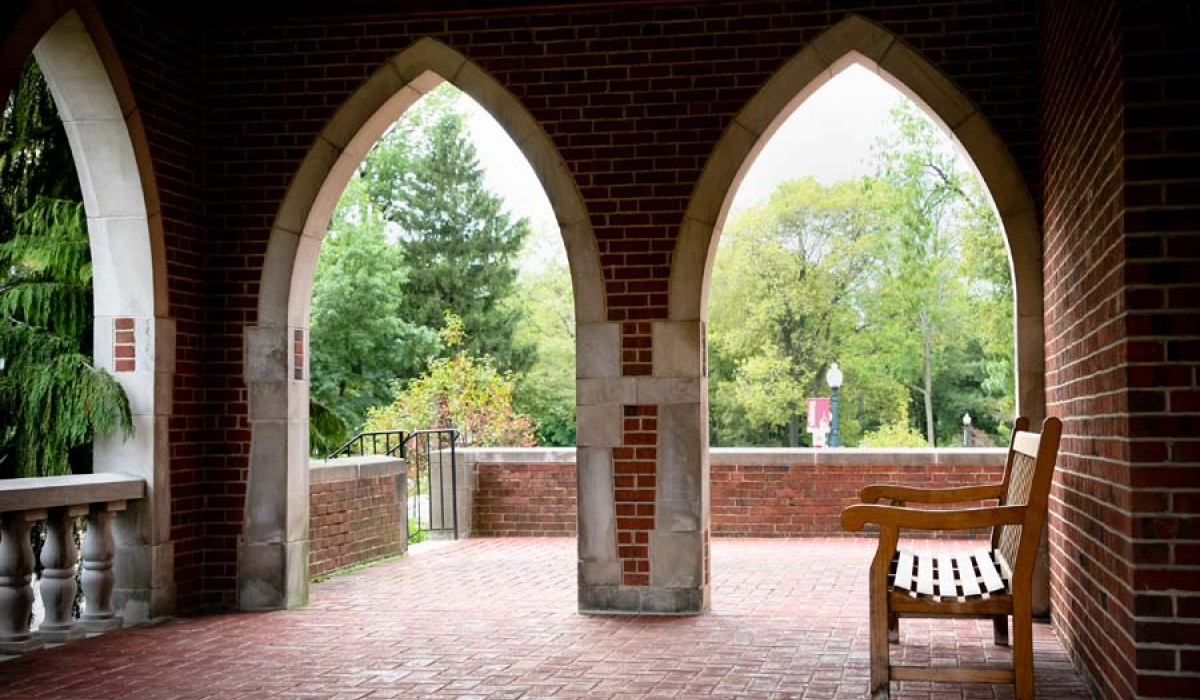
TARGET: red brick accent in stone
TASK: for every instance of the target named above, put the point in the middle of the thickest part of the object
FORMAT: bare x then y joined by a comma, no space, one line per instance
354,521
636,350
298,354
124,345
635,477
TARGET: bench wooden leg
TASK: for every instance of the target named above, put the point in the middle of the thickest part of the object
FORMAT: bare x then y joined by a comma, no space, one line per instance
1000,630
1022,649
880,661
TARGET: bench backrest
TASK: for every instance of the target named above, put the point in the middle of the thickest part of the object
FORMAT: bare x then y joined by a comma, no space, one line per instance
1028,472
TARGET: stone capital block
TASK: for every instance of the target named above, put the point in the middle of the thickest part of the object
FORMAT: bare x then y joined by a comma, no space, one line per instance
599,426
612,390
597,350
678,348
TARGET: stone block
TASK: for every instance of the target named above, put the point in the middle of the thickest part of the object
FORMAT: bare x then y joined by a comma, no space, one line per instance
677,559
673,601
612,390
599,426
609,600
597,350
678,348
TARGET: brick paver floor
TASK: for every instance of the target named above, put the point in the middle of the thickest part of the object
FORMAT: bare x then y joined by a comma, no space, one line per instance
496,619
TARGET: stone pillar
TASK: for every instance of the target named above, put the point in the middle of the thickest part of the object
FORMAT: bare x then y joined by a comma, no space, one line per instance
679,570
643,474
272,566
600,392
144,553
16,572
59,555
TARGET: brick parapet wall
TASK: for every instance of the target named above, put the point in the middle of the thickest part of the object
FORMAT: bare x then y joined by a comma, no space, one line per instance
357,512
755,493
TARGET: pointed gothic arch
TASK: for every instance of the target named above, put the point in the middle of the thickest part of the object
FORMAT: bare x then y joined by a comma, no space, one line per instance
272,556
855,40
108,144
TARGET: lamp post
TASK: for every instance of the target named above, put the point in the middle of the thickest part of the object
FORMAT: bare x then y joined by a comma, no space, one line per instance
834,378
966,430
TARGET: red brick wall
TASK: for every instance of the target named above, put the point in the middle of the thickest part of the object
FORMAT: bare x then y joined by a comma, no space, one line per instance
523,500
787,500
1120,177
354,521
1161,221
780,499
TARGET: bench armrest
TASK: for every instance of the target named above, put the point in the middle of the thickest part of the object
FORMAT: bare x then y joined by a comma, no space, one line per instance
855,517
914,494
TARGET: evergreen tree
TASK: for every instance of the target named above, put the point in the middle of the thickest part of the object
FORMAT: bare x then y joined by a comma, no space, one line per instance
459,243
362,341
52,401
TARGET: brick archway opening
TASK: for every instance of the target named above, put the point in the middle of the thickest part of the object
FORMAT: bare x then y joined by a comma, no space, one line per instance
133,332
272,553
856,41
852,41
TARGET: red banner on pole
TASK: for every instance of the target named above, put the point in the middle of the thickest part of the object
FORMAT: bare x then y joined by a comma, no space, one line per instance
820,415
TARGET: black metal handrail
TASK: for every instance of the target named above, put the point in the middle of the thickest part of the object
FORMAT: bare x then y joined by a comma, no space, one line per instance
357,446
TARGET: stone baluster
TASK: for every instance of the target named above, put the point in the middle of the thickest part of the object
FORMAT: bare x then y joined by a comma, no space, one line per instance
16,572
58,576
98,576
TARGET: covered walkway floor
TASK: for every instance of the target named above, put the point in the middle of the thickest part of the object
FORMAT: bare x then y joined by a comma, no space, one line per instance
496,619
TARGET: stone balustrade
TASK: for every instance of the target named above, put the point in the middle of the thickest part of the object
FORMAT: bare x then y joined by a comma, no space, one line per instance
59,501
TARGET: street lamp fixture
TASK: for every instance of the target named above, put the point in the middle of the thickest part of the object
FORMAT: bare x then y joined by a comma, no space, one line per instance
966,430
834,378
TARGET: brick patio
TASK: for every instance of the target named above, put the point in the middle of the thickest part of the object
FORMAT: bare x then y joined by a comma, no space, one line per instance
495,618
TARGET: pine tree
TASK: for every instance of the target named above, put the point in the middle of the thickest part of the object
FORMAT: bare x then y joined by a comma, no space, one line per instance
459,243
52,401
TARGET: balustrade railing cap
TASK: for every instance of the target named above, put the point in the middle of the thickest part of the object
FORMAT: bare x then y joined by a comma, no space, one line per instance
56,491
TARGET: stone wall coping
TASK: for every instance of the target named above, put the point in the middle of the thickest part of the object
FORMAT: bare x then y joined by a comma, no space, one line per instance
38,493
324,471
858,456
518,455
771,456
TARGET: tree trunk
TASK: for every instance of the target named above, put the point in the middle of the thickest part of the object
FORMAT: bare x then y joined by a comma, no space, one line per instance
928,357
794,428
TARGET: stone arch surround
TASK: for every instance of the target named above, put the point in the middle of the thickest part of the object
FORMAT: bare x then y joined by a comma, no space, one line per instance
272,555
133,333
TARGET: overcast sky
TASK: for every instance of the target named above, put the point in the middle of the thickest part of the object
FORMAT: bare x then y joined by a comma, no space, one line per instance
829,137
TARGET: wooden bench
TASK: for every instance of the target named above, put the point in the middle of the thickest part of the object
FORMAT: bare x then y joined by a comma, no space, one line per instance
993,581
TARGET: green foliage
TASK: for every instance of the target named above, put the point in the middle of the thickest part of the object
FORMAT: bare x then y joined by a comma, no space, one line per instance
546,392
897,434
781,300
361,341
35,156
902,277
52,401
459,243
463,392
